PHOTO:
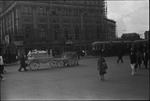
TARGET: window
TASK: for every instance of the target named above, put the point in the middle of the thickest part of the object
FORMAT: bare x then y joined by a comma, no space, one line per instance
56,28
77,32
42,33
27,33
27,10
41,11
65,12
76,12
28,30
55,11
66,32
56,20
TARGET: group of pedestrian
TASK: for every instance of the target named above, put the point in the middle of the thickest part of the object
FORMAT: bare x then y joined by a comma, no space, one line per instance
23,65
137,57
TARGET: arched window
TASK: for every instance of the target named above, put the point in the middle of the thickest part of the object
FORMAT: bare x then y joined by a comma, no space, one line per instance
42,11
26,9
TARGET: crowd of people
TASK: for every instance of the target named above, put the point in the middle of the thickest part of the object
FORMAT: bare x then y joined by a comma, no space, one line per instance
137,57
23,65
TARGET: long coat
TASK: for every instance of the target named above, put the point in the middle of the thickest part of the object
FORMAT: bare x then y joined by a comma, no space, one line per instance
22,61
133,58
101,66
145,56
139,58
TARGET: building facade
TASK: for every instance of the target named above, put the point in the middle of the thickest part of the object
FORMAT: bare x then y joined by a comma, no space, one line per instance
59,25
110,29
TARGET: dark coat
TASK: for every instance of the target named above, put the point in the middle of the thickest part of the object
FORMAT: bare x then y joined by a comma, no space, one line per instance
102,66
139,58
146,56
22,61
133,58
120,54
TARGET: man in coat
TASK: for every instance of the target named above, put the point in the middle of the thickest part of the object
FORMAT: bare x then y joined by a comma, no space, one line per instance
145,58
22,63
120,55
133,60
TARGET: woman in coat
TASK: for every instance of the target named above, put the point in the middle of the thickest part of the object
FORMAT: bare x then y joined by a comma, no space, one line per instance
101,66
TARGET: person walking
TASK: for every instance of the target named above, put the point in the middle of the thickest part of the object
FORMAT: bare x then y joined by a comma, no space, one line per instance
120,55
22,63
133,59
145,57
1,65
1,77
139,59
101,66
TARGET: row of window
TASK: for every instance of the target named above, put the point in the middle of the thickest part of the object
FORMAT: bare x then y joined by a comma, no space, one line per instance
66,30
42,11
89,2
28,10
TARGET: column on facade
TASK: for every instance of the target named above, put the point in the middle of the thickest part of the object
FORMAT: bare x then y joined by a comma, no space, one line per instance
35,24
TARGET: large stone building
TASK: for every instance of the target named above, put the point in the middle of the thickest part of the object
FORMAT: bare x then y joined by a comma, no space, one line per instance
110,26
53,24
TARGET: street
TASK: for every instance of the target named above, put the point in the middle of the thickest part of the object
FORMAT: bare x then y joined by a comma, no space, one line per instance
76,83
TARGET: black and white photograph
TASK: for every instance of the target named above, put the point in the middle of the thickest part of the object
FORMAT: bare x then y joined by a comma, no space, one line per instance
88,50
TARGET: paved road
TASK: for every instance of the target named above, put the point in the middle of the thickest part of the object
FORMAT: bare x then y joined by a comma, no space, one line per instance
76,83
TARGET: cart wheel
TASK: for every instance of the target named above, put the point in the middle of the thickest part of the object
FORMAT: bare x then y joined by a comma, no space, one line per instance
53,63
34,65
60,63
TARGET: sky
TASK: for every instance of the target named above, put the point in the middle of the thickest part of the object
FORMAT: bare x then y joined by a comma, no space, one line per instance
130,15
